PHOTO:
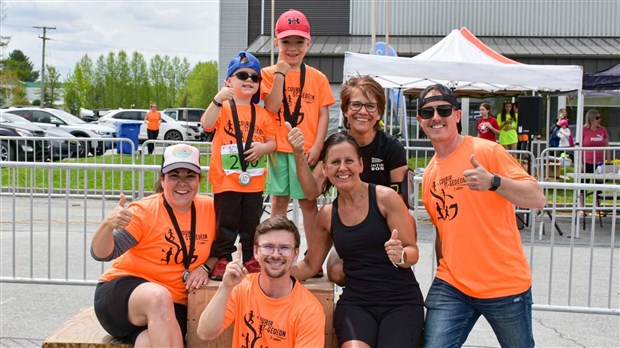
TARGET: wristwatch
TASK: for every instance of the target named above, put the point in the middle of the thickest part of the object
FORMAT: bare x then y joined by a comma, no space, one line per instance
495,182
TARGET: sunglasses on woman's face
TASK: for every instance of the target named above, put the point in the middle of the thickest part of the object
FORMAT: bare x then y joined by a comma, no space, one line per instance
598,118
429,111
242,75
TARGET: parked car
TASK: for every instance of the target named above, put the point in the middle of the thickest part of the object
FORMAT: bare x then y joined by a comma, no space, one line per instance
47,118
190,117
59,145
64,145
169,129
21,150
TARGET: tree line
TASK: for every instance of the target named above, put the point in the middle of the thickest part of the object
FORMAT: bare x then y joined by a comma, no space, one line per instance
124,81
116,80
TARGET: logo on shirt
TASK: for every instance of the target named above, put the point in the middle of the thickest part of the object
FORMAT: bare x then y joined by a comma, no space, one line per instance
446,207
174,253
265,326
376,164
244,126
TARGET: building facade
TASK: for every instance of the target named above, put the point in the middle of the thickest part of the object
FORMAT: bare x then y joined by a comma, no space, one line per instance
546,32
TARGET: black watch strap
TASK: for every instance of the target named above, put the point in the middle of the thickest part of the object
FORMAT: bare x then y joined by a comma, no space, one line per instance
495,182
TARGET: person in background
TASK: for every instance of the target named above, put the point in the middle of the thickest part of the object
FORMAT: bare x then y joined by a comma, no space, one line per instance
152,120
563,118
487,124
562,115
482,268
299,94
508,120
594,135
564,133
270,308
373,232
566,139
160,246
244,135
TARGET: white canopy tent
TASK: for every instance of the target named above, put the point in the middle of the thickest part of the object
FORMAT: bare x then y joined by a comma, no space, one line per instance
464,63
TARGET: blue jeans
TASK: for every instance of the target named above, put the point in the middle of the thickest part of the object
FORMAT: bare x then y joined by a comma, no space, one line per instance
450,316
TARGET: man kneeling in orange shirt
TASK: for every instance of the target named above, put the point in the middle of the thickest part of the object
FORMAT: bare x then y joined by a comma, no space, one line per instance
270,308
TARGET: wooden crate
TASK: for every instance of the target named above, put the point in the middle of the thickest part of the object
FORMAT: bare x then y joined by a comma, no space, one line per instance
83,331
198,300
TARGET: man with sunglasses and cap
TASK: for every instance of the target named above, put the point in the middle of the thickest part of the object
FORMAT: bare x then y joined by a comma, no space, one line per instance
244,135
469,189
271,308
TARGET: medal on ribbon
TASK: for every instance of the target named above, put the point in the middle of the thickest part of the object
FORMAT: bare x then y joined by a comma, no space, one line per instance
245,178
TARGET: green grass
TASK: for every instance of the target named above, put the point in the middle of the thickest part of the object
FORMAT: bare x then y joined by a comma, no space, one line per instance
91,179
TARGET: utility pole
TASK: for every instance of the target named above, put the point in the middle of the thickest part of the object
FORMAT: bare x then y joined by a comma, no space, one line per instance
44,38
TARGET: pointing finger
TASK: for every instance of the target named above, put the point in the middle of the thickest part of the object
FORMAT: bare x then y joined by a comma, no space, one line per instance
239,252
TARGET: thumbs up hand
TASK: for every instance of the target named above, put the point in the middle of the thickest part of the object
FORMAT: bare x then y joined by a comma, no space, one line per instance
394,248
295,138
478,178
235,271
120,216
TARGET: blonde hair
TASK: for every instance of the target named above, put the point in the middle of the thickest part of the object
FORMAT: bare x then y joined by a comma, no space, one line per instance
590,116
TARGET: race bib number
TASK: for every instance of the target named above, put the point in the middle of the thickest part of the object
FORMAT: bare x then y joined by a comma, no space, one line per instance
232,164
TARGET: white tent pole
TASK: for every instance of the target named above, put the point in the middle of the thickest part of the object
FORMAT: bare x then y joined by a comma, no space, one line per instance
404,125
548,125
579,123
465,115
579,131
373,15
273,16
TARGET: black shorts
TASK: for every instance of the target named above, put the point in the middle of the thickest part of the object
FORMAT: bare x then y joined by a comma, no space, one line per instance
388,326
112,308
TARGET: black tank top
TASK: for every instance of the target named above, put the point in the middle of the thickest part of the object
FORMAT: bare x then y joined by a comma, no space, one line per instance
371,278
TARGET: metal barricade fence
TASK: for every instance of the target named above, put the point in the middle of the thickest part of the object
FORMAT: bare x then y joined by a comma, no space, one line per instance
43,149
46,233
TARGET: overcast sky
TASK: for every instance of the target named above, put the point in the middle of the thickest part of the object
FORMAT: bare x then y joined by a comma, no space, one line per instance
182,28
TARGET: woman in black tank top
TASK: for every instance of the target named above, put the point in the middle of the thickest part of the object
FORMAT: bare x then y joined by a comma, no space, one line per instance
373,232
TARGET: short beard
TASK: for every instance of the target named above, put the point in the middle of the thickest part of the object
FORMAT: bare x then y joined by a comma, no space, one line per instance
275,274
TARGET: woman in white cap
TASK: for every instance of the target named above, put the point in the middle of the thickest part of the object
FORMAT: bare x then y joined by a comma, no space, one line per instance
160,246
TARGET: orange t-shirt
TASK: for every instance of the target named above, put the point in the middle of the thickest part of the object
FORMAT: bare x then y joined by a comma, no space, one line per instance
224,169
295,320
158,256
482,252
316,94
152,119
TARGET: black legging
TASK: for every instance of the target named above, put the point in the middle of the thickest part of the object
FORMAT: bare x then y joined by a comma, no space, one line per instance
152,134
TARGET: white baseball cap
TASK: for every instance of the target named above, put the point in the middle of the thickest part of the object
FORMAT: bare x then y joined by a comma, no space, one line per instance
181,156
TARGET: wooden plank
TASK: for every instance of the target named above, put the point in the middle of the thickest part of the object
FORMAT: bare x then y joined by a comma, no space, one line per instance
83,331
198,300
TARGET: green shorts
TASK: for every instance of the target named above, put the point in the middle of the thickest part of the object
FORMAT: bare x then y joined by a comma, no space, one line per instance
282,176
